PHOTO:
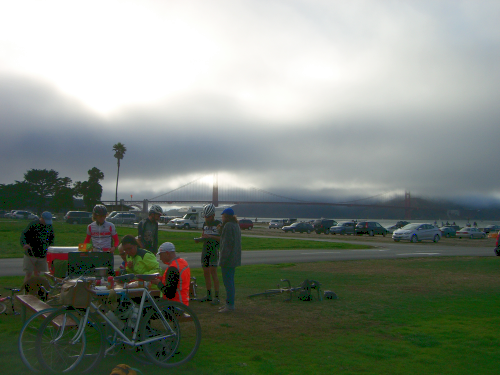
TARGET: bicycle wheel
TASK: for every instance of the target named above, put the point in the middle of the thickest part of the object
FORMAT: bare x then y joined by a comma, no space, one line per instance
267,293
95,344
27,340
3,307
180,348
57,348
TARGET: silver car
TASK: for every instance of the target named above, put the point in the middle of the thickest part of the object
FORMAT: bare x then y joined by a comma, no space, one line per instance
417,232
123,218
346,227
276,224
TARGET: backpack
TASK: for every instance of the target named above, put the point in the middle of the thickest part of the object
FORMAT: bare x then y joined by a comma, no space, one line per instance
306,287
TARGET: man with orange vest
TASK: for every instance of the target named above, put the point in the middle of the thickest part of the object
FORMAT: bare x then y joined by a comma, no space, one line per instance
175,281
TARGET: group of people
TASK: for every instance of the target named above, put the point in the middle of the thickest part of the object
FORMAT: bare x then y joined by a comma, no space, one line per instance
221,247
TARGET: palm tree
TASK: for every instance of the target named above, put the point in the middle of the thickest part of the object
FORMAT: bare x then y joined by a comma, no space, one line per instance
119,150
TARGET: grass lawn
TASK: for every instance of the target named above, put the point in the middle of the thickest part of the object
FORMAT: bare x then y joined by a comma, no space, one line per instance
404,316
72,235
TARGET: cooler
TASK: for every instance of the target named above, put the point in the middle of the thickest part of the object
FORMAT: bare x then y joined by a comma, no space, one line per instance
58,252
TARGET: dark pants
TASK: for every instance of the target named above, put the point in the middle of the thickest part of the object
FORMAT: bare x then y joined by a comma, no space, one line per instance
228,280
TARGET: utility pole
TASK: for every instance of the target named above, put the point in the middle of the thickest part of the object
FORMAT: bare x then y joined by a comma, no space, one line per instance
215,192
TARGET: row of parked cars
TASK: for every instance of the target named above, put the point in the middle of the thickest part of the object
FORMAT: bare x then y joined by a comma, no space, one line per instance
18,214
115,217
401,231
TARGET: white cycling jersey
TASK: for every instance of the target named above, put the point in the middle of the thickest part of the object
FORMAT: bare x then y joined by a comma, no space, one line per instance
102,235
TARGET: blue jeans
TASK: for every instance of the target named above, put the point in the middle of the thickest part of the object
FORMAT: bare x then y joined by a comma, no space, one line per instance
228,280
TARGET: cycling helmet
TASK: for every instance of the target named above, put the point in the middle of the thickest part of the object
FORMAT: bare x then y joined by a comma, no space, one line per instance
99,209
208,210
155,209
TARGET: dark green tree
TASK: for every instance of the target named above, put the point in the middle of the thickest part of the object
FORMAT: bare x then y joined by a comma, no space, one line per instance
91,190
43,184
63,199
119,150
16,195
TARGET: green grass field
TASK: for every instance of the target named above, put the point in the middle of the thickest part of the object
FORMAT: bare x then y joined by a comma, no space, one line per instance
72,235
405,316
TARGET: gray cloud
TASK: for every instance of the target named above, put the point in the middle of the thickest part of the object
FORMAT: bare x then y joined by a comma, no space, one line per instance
322,100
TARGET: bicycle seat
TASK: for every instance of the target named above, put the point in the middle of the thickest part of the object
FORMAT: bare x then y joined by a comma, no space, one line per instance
148,277
125,278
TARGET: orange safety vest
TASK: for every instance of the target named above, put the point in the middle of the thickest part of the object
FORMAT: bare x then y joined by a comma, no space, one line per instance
182,293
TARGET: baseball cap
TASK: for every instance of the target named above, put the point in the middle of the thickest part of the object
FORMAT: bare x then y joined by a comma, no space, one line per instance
47,216
228,211
166,246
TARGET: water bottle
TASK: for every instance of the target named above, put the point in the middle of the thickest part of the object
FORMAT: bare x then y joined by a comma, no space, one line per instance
133,317
114,319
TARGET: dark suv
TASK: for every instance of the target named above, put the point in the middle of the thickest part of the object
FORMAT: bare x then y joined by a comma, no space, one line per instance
371,228
323,225
78,217
123,218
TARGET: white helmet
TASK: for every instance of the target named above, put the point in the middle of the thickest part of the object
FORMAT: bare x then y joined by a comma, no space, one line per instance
155,209
208,210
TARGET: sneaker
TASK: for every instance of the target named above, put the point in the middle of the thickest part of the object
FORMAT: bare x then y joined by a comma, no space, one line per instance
206,299
215,301
226,309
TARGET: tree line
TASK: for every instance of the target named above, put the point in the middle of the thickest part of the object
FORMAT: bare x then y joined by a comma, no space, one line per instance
44,189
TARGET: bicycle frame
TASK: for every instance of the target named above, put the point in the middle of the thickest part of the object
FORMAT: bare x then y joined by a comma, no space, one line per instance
133,341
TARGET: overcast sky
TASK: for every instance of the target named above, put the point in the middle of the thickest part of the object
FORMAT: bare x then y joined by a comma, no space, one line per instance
328,97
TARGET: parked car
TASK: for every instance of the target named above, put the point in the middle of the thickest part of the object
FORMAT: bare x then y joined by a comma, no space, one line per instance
371,228
448,232
323,225
392,228
24,215
298,227
470,232
165,219
289,221
276,224
171,223
491,228
402,223
246,224
78,217
10,213
345,227
123,218
417,232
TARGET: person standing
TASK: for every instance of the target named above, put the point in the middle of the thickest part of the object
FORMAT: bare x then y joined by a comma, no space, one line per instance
148,229
230,255
35,239
210,253
102,233
175,281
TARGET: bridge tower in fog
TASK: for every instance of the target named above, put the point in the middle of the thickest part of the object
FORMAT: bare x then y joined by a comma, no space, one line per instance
215,191
407,205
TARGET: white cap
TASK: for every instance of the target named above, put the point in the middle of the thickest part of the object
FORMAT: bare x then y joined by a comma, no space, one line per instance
166,246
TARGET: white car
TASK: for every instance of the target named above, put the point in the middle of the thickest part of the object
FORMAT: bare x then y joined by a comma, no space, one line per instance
171,223
24,215
470,232
417,232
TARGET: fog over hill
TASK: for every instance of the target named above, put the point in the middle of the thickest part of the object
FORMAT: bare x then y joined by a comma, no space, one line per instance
421,209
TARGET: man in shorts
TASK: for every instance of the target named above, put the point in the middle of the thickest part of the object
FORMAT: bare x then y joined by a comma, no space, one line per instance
35,240
210,253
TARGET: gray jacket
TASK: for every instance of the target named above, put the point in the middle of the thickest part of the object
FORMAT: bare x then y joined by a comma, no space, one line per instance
230,245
